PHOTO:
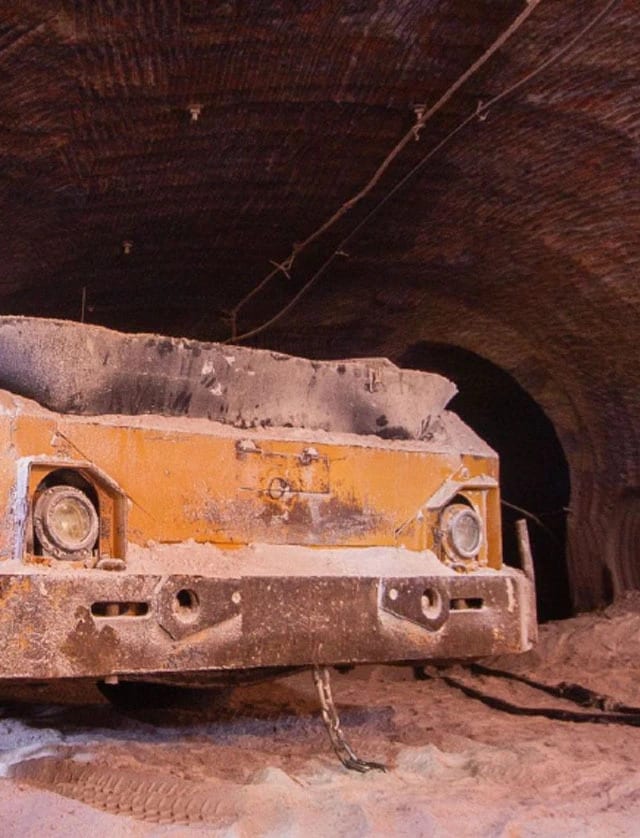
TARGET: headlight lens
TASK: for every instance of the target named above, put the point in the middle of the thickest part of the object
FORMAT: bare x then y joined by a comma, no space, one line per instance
66,522
462,531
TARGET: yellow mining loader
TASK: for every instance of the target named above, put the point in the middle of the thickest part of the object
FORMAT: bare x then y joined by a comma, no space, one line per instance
193,512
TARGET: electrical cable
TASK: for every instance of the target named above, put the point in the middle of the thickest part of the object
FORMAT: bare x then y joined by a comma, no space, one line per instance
612,711
576,693
481,110
423,116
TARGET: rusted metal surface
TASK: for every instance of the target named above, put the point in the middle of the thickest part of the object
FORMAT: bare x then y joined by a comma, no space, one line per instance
194,480
279,621
224,549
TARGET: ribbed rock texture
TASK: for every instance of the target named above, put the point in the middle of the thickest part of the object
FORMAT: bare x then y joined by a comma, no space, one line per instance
159,153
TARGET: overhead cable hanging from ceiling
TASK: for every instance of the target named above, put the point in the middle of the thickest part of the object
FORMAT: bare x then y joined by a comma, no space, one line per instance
479,113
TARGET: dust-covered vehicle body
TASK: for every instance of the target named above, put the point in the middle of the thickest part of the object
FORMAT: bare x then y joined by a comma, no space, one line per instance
185,511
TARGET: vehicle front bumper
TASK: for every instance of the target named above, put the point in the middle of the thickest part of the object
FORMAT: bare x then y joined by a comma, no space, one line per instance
56,623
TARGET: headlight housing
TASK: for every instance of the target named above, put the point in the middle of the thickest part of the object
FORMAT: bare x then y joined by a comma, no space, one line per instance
66,522
462,532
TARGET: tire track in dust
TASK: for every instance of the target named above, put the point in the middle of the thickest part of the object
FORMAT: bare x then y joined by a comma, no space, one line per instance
158,798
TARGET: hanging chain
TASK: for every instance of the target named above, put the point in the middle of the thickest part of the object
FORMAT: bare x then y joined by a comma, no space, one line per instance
331,720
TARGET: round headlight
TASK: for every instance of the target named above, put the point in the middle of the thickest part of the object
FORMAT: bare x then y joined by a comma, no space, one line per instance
462,531
65,522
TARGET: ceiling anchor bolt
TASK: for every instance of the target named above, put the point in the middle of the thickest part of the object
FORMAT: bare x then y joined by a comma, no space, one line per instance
482,112
419,111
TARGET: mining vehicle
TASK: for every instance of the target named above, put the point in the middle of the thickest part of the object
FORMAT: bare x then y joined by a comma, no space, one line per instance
193,513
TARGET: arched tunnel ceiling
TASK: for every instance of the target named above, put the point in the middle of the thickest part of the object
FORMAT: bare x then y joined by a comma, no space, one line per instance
519,240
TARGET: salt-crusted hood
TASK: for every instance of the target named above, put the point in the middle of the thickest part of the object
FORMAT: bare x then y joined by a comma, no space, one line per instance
77,368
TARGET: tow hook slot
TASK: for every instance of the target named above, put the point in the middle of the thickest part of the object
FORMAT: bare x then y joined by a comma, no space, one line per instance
473,603
420,601
120,609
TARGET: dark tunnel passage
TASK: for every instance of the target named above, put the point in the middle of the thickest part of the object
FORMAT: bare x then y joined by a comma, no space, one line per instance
534,471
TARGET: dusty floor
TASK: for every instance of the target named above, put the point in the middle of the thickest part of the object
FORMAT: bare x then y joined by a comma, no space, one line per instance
262,765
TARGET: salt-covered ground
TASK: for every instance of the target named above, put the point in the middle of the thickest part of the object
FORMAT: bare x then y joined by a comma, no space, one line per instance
263,765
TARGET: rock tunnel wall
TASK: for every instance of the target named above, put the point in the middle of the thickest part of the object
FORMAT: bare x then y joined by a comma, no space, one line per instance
598,444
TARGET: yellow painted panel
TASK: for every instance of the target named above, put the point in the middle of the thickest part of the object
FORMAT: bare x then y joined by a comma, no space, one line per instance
186,483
